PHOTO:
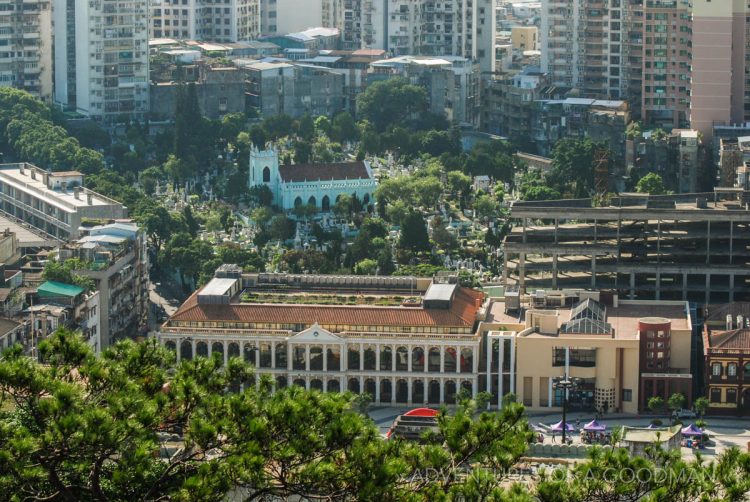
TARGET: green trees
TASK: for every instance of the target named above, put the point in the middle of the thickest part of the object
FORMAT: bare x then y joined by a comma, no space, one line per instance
96,429
27,128
414,233
573,165
391,101
486,207
676,402
615,475
701,406
655,404
64,272
651,184
533,187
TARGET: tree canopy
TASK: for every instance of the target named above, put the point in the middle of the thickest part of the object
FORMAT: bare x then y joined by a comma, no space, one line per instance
135,425
391,101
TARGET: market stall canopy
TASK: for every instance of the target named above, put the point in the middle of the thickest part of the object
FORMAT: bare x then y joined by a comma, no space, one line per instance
558,427
691,430
594,425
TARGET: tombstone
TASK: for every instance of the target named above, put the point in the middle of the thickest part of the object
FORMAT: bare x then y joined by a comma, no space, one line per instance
157,189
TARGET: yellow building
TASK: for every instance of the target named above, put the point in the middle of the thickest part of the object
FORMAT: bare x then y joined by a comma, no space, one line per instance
620,353
525,38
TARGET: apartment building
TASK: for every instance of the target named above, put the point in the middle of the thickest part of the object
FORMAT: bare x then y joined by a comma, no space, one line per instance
26,46
402,340
53,202
116,259
221,21
674,247
279,17
101,58
220,89
680,63
276,88
423,27
353,65
59,305
619,353
452,83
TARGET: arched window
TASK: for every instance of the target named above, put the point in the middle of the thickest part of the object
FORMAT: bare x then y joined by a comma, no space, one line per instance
366,199
312,202
325,204
298,202
266,175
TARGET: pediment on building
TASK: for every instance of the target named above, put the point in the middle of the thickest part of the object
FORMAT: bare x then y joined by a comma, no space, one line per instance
316,334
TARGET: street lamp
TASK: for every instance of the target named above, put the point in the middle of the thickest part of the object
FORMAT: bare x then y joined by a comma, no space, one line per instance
566,384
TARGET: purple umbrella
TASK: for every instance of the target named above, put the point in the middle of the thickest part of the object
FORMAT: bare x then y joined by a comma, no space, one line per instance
558,427
594,425
691,430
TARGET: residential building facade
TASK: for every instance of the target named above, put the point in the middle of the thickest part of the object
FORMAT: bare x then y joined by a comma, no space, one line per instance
452,83
276,88
54,202
26,46
223,21
101,59
117,261
663,56
424,27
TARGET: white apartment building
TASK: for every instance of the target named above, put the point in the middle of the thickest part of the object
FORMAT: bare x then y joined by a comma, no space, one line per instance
55,203
117,261
424,27
26,46
279,17
101,58
220,21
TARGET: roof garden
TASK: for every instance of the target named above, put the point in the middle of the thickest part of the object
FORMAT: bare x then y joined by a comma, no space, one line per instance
318,298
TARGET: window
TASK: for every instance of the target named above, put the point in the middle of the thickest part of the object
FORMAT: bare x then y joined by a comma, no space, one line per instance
627,395
582,358
732,396
716,369
732,370
715,395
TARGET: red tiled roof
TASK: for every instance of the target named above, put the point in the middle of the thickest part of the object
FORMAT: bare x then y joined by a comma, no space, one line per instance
462,313
333,171
733,339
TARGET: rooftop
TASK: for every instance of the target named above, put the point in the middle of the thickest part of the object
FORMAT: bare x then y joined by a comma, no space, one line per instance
53,288
332,171
65,199
258,308
622,320
643,435
27,235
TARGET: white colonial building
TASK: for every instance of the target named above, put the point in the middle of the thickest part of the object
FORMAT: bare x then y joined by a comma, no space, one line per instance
402,340
318,185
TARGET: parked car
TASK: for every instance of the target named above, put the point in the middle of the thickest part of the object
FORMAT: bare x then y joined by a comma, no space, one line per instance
684,413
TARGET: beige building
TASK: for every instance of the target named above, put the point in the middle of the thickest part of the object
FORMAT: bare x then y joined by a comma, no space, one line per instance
619,352
525,38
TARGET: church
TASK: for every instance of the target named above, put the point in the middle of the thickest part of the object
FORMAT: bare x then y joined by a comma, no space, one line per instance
318,185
